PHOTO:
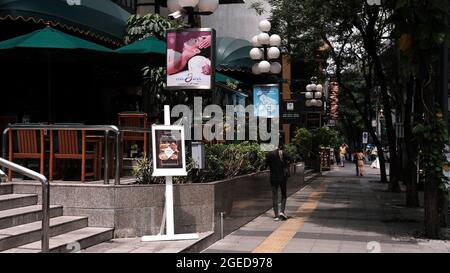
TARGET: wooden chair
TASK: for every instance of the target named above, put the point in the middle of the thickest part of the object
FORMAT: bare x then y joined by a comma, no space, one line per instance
26,144
134,120
71,144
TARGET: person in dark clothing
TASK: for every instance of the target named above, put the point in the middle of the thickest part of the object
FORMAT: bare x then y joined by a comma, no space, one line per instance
278,163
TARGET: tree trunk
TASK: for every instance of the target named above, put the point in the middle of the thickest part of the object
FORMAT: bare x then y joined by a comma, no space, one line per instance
394,167
410,147
431,205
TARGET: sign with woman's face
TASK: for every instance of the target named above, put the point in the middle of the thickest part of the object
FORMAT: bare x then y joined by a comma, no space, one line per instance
190,59
168,151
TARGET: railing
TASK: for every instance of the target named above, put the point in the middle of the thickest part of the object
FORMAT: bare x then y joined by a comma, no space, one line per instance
105,128
45,199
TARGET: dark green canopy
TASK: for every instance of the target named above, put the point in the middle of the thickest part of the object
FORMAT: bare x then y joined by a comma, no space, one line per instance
144,46
102,19
49,38
233,54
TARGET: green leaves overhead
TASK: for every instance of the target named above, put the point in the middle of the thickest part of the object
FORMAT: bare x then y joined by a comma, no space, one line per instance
140,27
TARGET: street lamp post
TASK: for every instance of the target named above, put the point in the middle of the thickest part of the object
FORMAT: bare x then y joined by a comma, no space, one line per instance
191,8
314,96
266,51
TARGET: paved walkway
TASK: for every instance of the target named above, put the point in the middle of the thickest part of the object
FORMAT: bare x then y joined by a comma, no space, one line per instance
134,245
338,213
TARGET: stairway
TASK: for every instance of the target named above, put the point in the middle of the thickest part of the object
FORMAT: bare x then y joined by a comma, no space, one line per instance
20,226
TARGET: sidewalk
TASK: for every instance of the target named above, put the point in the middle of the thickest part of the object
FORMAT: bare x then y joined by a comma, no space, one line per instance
337,213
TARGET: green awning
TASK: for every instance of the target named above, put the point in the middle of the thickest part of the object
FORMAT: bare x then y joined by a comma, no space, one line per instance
145,46
49,38
102,19
233,54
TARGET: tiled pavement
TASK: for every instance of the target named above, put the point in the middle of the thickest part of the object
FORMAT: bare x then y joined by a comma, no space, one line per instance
134,245
339,213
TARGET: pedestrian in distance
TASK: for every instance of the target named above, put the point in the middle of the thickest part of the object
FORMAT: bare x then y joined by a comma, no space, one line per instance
278,163
342,153
355,161
360,161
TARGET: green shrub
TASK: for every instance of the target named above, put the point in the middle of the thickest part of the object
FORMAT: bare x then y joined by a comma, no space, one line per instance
303,140
292,151
143,170
222,161
231,160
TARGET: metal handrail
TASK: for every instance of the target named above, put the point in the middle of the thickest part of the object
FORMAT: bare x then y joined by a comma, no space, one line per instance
45,199
79,127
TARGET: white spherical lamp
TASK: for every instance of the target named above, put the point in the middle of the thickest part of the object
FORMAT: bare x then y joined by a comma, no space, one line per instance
264,67
313,102
255,41
208,5
319,88
255,69
273,53
173,5
308,88
318,95
313,87
256,54
188,3
319,103
275,68
308,103
263,38
265,26
275,40
309,95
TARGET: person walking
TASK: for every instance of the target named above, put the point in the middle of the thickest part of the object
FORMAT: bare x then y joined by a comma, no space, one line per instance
342,153
360,161
278,163
355,161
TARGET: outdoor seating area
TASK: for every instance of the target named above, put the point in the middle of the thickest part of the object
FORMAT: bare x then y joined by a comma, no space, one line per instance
75,151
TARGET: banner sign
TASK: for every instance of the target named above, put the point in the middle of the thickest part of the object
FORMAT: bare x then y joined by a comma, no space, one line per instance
365,137
266,100
190,58
334,101
168,151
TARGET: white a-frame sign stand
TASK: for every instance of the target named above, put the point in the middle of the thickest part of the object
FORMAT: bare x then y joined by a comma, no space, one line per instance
168,218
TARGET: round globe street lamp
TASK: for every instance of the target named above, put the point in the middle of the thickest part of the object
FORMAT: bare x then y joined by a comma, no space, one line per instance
314,94
266,51
191,8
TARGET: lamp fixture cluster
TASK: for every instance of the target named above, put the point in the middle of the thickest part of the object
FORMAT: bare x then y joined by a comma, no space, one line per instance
314,94
266,51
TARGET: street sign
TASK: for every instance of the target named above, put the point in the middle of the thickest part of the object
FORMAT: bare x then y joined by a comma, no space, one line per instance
365,137
290,111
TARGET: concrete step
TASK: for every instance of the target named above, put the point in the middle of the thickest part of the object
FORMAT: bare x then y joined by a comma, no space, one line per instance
6,189
31,232
69,242
11,201
25,215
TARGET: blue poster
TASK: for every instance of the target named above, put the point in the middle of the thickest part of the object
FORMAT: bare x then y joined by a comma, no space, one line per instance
266,100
